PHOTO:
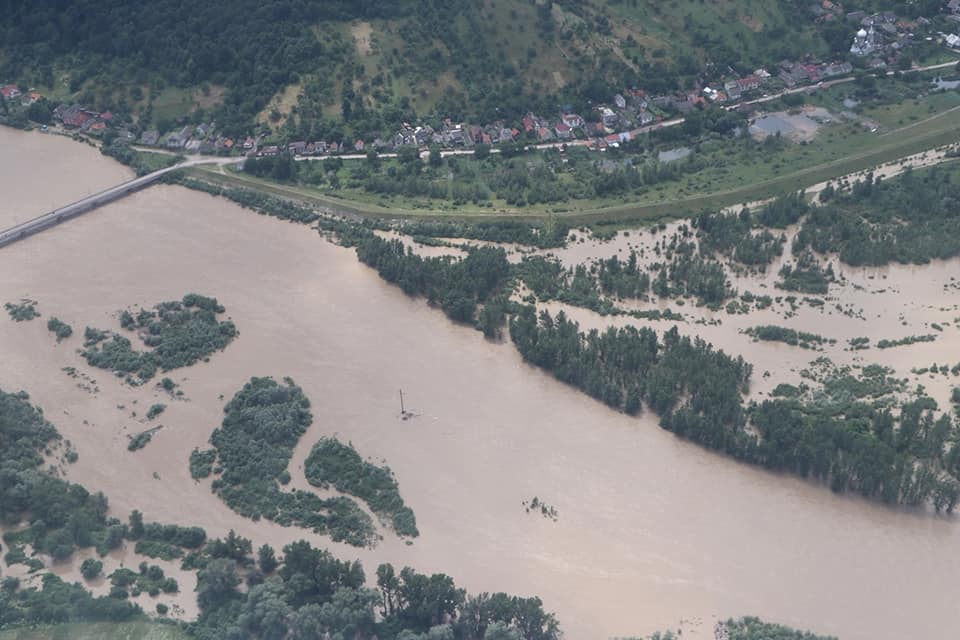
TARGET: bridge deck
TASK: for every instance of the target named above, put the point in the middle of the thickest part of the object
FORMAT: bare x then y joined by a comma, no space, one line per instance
85,205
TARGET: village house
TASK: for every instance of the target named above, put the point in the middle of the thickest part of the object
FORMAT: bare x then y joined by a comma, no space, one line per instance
297,148
837,69
10,91
856,16
750,83
179,139
73,117
359,146
595,129
563,131
574,121
732,87
528,123
423,135
608,117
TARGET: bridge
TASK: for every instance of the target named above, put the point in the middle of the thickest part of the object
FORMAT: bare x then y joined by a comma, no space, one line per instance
85,205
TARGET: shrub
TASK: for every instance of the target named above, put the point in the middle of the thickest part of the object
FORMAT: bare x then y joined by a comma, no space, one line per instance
91,568
61,329
22,311
155,410
333,463
178,334
261,426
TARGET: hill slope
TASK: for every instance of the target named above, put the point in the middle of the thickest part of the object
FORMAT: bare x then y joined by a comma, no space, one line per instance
317,66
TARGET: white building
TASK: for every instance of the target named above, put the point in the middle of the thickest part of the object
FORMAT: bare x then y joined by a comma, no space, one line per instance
864,43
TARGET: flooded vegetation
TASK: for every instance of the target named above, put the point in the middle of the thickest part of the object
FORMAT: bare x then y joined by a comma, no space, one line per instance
177,333
653,529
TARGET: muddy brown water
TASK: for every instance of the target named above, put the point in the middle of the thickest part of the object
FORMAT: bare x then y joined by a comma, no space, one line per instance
40,172
653,532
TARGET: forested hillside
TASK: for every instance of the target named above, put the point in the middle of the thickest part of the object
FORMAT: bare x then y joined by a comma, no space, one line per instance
320,67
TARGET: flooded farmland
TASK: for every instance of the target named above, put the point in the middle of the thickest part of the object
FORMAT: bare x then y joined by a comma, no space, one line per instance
653,532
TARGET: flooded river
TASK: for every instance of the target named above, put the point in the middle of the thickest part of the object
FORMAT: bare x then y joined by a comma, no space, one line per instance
39,173
653,532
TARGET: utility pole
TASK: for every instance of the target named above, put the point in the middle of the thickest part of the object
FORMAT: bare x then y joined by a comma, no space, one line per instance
402,410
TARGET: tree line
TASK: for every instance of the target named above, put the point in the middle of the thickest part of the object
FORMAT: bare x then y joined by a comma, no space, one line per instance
911,219
302,594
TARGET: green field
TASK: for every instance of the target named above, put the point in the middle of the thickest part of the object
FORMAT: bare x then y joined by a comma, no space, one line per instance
98,631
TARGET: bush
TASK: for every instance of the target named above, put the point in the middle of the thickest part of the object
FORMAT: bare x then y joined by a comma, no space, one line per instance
155,410
140,440
178,334
22,311
201,463
261,426
332,463
91,568
61,329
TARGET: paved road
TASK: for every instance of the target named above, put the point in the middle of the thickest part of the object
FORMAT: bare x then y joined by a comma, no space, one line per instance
78,208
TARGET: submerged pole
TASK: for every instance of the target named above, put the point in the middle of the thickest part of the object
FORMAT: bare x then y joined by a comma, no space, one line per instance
402,410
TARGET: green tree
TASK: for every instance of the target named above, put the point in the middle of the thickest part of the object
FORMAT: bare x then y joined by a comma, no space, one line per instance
267,559
217,583
265,613
501,631
136,525
91,568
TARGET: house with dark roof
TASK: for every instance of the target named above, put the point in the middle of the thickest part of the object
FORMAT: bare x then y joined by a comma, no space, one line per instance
74,117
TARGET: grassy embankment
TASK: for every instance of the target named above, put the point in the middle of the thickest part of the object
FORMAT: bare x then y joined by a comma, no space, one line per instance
911,127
